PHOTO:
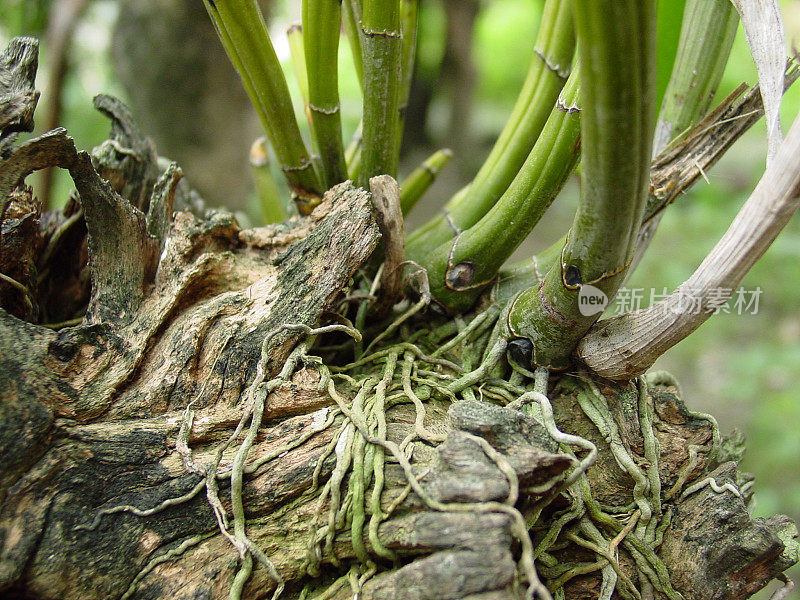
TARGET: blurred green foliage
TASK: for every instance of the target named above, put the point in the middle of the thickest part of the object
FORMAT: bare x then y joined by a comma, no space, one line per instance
24,16
512,43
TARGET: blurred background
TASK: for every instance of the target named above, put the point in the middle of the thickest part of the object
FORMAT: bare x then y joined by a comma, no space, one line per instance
163,59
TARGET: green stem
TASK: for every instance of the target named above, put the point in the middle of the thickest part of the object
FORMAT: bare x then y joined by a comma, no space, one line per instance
322,24
553,52
409,10
351,13
269,197
707,33
617,52
353,153
705,43
244,35
461,269
381,42
421,178
297,52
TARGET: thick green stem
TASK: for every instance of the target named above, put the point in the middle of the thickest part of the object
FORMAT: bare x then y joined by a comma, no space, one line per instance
381,42
297,52
321,26
617,51
421,178
672,174
244,35
705,44
707,33
553,52
460,270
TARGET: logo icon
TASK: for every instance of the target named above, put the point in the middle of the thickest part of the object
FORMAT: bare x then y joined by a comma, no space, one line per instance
591,300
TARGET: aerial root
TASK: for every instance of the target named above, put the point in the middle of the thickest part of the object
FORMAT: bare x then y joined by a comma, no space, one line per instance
162,558
685,472
634,518
411,371
536,588
493,358
546,418
419,420
421,275
588,524
594,405
715,487
141,512
255,398
474,330
27,295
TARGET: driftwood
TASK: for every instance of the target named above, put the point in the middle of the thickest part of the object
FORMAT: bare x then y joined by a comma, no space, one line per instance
108,424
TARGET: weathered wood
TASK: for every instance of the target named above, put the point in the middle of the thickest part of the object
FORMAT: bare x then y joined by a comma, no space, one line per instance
20,245
753,550
122,256
219,293
53,148
128,159
18,97
386,200
62,472
445,575
159,211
